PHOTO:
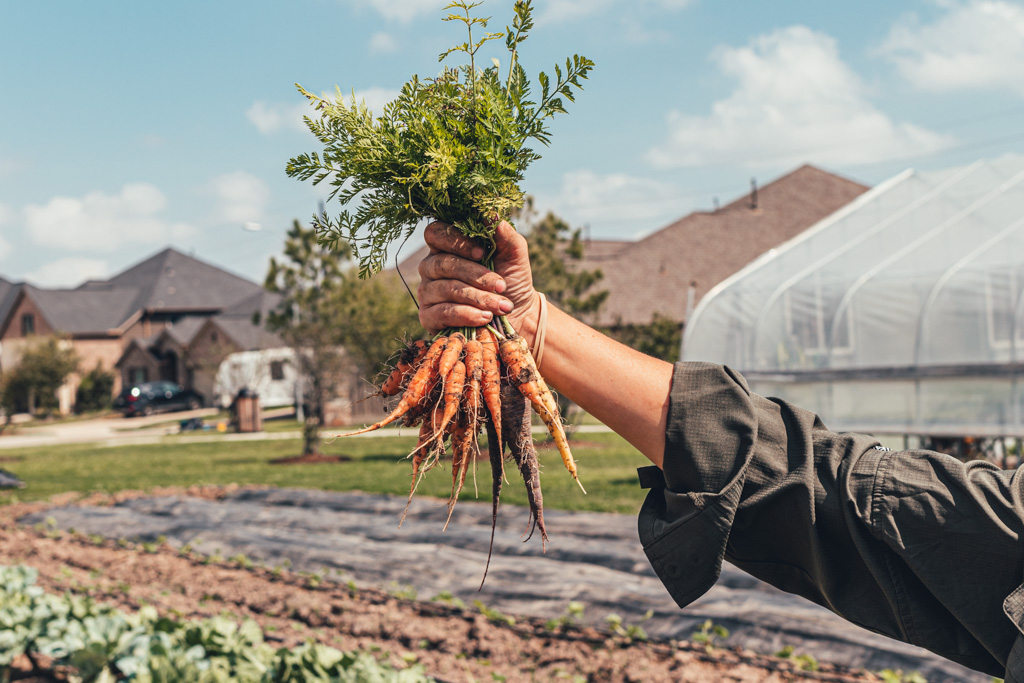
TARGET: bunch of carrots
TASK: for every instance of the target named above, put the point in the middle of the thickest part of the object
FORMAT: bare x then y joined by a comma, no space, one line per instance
465,382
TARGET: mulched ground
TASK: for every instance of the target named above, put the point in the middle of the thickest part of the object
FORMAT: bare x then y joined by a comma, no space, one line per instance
453,643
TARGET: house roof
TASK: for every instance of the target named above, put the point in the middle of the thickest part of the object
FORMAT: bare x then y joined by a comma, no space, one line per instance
8,295
75,311
654,274
171,280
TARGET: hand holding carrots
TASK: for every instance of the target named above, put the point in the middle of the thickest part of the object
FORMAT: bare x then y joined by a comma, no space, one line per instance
455,290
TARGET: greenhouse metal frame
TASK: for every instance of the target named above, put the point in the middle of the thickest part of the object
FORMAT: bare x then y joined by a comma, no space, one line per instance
901,313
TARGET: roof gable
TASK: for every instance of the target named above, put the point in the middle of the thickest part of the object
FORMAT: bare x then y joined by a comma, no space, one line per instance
171,280
655,274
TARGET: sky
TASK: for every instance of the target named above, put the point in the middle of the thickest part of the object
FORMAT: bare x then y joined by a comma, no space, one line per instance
127,127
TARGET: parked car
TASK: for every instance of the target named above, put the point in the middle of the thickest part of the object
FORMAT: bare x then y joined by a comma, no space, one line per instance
156,397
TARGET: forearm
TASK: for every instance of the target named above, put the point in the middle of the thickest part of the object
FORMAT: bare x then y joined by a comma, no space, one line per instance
623,388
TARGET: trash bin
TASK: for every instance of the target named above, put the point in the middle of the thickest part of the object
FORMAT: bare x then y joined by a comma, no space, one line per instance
247,414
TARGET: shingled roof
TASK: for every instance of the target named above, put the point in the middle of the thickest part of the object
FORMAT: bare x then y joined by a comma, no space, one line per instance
171,280
8,294
654,274
75,311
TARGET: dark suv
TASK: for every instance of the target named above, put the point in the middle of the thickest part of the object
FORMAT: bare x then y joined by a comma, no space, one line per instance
156,397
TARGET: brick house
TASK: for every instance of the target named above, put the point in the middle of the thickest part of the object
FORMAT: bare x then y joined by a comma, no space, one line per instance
170,317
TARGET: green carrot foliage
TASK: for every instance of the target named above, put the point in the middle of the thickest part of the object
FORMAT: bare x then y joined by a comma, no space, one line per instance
451,148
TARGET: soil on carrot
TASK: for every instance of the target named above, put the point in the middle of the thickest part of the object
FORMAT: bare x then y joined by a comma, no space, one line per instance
454,643
309,459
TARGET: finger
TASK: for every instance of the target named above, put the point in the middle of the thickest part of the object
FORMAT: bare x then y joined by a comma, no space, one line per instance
443,237
433,292
445,315
507,240
446,266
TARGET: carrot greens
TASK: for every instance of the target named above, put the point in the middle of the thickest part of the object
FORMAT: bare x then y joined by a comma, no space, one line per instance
451,148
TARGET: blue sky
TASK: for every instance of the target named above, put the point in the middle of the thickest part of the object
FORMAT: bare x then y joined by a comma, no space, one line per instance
129,126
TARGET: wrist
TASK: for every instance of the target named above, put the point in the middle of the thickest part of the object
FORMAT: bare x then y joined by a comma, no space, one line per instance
527,319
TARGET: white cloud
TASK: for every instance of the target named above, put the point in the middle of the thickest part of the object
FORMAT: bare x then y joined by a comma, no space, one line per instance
272,117
401,10
68,272
559,11
382,43
977,44
795,101
103,222
614,201
241,198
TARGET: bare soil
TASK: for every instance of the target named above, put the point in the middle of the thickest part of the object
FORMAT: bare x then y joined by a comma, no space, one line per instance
453,643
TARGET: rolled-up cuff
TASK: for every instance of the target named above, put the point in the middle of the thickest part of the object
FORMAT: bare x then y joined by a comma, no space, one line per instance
685,521
686,545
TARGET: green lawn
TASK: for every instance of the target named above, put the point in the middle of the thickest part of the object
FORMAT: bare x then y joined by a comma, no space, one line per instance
607,467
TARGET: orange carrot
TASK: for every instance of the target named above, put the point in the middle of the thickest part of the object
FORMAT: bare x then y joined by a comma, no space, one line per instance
418,390
451,354
490,381
420,455
454,384
461,452
409,359
516,356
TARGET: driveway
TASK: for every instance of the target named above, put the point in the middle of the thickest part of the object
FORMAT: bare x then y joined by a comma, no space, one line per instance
112,429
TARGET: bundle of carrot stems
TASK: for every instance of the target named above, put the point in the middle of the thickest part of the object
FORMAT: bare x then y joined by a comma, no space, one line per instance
465,382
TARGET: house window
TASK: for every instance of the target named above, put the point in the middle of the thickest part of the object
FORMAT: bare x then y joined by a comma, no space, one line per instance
138,376
277,370
28,324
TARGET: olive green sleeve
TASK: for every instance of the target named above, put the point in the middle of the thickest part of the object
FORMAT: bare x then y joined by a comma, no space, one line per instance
915,545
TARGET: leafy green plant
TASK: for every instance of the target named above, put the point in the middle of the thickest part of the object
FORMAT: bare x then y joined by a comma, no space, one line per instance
629,632
571,617
805,661
708,633
99,643
451,148
899,676
494,615
448,599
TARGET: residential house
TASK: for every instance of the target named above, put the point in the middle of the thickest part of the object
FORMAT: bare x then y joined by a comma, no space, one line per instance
170,317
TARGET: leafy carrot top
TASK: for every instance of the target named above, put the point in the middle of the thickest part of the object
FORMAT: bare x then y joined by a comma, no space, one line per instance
451,148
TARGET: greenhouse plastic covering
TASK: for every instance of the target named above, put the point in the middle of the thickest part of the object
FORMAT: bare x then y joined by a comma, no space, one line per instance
901,312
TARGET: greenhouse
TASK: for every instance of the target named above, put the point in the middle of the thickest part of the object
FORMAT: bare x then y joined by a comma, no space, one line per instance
901,313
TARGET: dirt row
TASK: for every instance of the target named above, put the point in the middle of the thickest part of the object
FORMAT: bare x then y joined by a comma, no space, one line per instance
453,642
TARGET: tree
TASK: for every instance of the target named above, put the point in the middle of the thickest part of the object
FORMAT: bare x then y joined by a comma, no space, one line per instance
372,316
308,278
661,338
555,250
95,391
325,308
33,383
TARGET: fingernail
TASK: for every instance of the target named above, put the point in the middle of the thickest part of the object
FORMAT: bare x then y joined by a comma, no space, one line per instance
476,253
505,306
499,286
485,317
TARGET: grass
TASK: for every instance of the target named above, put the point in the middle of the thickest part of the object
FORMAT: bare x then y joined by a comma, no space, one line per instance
607,466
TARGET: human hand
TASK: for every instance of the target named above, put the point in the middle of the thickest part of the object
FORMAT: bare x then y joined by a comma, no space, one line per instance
457,291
